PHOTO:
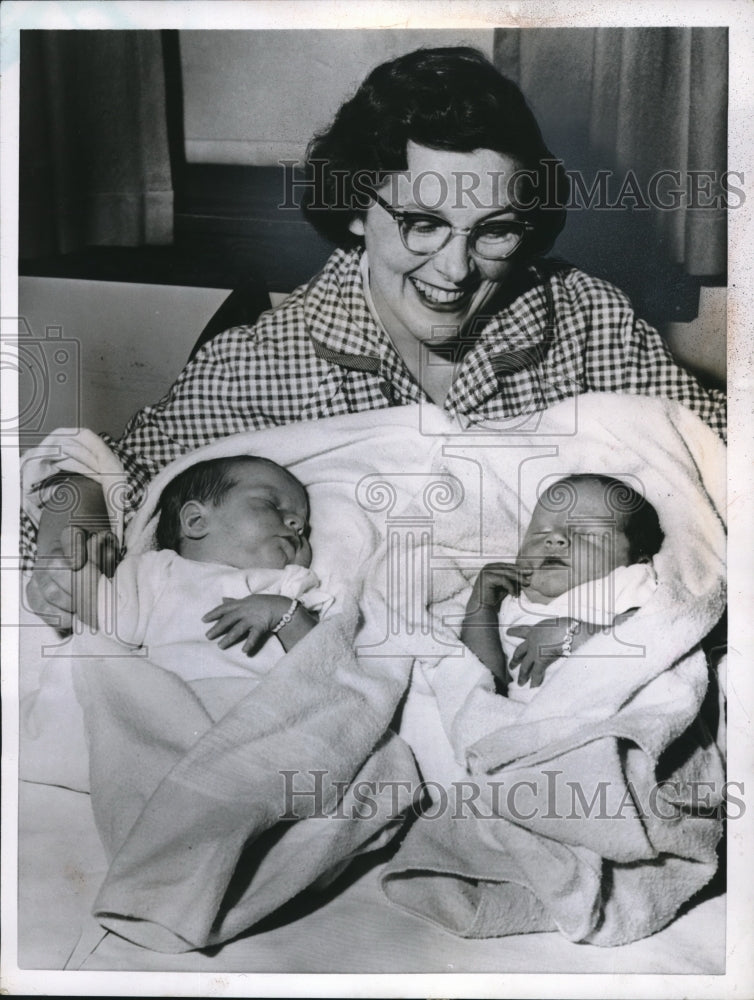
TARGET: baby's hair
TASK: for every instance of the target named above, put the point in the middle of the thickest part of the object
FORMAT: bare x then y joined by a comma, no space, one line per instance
208,482
641,525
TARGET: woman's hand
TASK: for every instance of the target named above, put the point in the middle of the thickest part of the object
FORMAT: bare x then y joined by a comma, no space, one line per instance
63,583
253,618
68,541
542,644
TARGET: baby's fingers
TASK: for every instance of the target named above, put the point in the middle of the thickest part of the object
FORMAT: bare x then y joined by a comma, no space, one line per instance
538,673
520,655
227,621
219,611
233,634
255,635
524,672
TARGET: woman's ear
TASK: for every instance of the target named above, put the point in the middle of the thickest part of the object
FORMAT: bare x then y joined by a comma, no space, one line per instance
356,225
194,519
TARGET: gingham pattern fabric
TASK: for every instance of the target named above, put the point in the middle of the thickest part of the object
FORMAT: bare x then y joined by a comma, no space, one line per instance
321,353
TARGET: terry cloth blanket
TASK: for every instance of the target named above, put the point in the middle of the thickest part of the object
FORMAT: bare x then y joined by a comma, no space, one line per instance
595,807
188,800
405,508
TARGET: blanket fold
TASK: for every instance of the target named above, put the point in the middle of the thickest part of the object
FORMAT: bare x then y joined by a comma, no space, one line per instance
271,784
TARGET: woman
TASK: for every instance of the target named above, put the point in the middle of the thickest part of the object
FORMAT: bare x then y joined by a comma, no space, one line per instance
436,184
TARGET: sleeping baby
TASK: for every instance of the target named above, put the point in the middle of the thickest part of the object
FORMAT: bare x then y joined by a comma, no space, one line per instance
233,553
584,564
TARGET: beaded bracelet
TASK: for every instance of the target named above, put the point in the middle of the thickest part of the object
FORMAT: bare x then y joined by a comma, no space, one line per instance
286,617
567,648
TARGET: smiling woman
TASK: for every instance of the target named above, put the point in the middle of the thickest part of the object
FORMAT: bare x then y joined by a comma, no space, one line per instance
436,184
426,299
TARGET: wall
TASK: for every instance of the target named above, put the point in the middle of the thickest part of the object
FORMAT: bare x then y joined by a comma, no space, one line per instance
701,344
255,97
96,351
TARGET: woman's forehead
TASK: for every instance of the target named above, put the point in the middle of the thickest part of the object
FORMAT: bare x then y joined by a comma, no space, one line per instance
446,182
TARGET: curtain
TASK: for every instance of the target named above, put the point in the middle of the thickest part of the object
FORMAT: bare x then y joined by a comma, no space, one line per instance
94,158
640,101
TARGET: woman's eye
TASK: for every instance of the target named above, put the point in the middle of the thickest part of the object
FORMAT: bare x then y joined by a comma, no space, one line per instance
423,226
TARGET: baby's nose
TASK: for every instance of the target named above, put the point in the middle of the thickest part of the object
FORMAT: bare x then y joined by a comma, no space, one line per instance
294,521
556,540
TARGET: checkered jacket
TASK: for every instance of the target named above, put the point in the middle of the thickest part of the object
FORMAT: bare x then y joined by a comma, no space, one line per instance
321,353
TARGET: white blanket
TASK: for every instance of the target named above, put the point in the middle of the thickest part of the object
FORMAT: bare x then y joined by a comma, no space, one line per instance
405,509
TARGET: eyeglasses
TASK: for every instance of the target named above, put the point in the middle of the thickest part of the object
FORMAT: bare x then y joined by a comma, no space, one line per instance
426,234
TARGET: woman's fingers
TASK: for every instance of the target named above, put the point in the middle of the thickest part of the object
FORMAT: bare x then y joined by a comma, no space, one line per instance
103,551
50,599
74,548
85,583
50,590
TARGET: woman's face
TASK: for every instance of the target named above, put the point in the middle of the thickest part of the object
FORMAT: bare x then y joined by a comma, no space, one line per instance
428,298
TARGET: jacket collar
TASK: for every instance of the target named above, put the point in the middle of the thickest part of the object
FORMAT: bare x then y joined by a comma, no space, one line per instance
338,320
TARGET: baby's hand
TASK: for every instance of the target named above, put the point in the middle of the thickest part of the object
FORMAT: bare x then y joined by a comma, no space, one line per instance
253,616
542,645
496,581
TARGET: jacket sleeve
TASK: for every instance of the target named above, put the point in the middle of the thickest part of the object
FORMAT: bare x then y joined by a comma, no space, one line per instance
626,354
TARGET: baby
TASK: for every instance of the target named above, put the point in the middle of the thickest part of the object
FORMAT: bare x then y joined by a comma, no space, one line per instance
232,550
584,564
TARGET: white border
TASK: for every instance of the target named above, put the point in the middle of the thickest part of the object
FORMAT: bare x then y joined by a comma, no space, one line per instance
344,14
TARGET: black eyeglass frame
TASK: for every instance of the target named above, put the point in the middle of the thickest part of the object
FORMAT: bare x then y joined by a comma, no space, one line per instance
399,217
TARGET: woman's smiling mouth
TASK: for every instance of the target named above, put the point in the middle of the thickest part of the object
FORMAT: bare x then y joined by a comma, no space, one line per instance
440,298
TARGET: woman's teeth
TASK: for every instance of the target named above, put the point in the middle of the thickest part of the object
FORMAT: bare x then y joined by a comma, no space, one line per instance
439,295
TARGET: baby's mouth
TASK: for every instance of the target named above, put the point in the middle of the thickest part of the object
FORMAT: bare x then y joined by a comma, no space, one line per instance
553,561
291,544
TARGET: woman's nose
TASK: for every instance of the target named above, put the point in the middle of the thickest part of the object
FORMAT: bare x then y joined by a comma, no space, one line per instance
454,261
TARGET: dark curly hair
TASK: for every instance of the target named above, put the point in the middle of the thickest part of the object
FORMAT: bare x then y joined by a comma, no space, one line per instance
638,518
208,482
448,98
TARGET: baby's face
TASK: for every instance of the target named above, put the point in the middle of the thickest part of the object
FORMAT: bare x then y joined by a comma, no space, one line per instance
262,521
573,537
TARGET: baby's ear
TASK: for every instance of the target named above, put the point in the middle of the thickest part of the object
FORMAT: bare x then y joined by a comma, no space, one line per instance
194,519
